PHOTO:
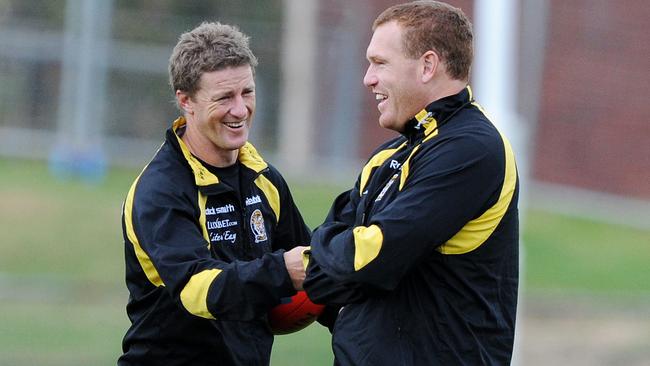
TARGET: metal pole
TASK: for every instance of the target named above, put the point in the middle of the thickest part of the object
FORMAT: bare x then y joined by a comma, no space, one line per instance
296,145
495,86
78,150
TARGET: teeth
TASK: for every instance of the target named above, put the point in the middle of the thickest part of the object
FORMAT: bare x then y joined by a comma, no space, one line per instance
380,96
234,124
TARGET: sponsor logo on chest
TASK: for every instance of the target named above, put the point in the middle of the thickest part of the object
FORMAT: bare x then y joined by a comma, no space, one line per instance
219,210
227,235
218,226
253,200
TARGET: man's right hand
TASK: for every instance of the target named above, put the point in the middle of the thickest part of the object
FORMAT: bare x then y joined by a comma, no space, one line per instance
293,260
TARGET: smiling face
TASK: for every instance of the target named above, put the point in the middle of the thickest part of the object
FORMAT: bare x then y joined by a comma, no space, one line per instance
219,115
394,78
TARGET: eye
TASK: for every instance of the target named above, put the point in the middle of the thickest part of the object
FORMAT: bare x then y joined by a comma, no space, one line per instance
376,61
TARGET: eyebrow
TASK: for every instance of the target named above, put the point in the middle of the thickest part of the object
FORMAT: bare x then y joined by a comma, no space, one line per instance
220,95
230,93
374,58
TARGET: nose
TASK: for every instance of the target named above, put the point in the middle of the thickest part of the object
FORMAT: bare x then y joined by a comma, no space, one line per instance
370,79
239,109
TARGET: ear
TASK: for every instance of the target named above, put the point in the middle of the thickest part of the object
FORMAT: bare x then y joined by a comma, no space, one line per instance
184,102
430,65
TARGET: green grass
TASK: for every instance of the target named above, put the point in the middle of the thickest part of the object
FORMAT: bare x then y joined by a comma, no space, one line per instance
60,227
61,333
61,268
576,254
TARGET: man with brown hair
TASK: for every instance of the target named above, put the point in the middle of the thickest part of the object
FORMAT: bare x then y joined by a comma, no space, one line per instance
421,255
210,228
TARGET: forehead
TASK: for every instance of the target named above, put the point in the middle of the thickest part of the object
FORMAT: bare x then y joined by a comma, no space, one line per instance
386,40
229,78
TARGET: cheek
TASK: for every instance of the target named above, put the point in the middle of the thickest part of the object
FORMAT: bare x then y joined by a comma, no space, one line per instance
218,113
250,104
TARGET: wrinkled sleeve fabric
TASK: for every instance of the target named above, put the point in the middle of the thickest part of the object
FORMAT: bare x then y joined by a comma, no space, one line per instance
165,225
449,184
320,287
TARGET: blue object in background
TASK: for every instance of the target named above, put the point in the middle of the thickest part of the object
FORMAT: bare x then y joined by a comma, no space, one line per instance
87,164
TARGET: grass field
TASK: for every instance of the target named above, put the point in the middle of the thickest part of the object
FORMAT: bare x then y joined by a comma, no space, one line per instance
61,266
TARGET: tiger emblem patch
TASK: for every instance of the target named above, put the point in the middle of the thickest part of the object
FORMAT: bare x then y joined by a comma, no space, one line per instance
257,226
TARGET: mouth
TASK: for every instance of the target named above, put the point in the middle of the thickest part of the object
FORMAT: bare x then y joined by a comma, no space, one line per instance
235,125
381,98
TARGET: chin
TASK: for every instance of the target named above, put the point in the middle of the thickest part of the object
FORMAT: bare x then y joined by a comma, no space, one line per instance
239,142
238,145
388,124
231,145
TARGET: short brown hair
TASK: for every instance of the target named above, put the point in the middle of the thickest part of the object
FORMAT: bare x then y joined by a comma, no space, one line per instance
209,47
433,25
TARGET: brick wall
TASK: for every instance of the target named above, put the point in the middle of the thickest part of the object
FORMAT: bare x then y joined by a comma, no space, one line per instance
593,126
594,122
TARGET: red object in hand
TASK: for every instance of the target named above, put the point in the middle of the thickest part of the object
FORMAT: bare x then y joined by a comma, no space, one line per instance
293,314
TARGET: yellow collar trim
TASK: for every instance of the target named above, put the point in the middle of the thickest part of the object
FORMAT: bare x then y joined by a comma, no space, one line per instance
426,120
248,156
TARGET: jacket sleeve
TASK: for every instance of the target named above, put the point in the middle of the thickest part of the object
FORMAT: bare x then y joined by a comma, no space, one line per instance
171,248
292,231
320,286
447,186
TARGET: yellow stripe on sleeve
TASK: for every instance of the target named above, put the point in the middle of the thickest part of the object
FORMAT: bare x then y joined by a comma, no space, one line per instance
367,244
477,231
305,257
194,295
144,260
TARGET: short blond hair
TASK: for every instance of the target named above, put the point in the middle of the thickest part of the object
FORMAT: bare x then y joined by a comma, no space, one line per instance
209,47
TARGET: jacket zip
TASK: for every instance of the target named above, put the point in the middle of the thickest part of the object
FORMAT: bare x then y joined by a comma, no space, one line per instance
248,244
372,197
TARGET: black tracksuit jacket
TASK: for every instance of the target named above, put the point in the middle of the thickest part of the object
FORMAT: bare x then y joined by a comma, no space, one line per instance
203,264
423,252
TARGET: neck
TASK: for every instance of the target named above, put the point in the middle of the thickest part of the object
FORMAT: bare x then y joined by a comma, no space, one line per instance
446,88
206,151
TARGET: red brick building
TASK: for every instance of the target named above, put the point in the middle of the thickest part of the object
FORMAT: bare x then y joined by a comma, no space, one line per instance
594,121
591,124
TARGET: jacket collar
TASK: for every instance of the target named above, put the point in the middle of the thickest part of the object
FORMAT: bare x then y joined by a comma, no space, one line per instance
248,156
433,115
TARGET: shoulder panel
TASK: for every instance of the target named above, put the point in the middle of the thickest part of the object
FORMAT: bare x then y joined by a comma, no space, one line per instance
477,231
377,160
271,192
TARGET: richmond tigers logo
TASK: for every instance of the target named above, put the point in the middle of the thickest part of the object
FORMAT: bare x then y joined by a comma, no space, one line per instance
257,226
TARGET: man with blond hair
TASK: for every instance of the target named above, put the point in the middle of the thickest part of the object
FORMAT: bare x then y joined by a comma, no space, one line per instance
210,228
